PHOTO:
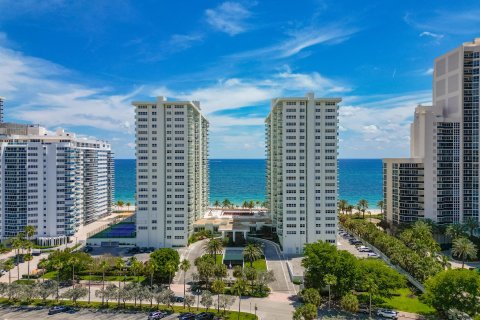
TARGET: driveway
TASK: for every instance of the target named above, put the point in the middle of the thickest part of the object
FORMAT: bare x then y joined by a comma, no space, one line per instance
276,262
191,253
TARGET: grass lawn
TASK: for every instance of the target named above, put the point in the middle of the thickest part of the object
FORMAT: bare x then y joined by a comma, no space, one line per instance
403,301
53,275
219,258
260,264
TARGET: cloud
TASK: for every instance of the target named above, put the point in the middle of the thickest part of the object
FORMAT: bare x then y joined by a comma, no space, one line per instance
229,17
235,93
428,72
42,92
431,34
184,41
299,40
459,22
378,125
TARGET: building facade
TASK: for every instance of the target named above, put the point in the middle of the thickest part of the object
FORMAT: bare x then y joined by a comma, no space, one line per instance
172,171
302,177
2,101
55,182
446,141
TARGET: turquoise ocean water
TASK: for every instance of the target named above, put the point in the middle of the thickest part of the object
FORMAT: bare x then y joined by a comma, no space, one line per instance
240,180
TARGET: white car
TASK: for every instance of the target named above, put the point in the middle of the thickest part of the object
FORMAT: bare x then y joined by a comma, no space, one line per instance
373,255
386,313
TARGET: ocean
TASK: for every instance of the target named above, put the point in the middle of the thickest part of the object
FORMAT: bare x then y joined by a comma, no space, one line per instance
239,180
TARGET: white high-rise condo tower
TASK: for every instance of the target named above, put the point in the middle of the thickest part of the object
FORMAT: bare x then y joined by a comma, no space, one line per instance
445,138
172,171
301,147
54,182
2,101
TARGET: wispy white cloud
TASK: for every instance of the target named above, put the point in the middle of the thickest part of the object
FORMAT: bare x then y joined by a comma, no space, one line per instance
229,17
428,72
436,36
378,125
184,41
299,40
455,22
236,92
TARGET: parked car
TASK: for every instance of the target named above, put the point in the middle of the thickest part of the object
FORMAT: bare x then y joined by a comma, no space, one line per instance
156,315
187,316
87,249
178,299
387,313
204,316
133,250
58,309
36,252
373,255
363,308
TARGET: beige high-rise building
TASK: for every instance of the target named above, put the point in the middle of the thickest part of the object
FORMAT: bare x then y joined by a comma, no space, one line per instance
302,186
172,171
445,138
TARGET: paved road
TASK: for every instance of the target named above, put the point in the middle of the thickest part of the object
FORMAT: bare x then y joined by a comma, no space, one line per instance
191,253
276,262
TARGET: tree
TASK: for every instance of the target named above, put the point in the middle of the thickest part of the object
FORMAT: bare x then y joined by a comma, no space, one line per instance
218,287
167,297
454,289
311,296
171,268
251,275
75,293
46,289
330,280
189,300
184,266
213,247
372,289
120,266
8,266
220,271
363,206
226,203
381,205
252,252
349,303
205,268
160,258
238,289
216,204
42,265
57,265
307,312
386,278
471,224
455,231
149,270
128,205
28,257
342,205
321,258
17,244
226,301
206,299
135,267
120,203
464,249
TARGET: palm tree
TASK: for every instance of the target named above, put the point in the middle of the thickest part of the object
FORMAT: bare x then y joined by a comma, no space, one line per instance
184,266
244,204
17,244
471,224
218,287
464,248
216,204
171,268
42,264
128,204
226,203
149,268
120,204
380,205
73,261
330,280
238,289
103,266
57,265
8,266
363,204
213,247
342,205
252,252
28,257
120,266
135,267
251,205
454,231
350,208
372,289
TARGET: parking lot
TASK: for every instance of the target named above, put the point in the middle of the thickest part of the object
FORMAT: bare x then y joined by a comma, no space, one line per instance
343,244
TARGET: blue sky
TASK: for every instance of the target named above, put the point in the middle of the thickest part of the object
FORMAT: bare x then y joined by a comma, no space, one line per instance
79,64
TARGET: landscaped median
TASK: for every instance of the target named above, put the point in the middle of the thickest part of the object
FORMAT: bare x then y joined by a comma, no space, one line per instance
229,315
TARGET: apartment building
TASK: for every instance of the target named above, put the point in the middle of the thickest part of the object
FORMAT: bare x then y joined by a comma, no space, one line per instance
172,171
302,185
446,141
55,182
2,101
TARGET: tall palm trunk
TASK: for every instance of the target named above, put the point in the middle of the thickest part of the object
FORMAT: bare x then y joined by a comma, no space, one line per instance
28,269
18,264
103,286
89,285
58,282
119,292
73,276
184,285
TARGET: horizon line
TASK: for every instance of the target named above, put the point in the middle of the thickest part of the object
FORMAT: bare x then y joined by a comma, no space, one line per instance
262,159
